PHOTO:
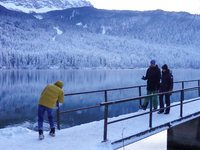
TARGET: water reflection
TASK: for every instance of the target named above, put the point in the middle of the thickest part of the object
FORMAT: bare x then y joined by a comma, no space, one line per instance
21,89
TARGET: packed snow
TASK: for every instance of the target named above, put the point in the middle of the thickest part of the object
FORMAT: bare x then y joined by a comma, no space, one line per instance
58,30
38,17
89,136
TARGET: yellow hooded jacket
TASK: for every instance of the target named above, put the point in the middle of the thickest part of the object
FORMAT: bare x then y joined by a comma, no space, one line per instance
51,94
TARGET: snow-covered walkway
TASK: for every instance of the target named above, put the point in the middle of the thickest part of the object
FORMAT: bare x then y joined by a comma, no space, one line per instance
87,136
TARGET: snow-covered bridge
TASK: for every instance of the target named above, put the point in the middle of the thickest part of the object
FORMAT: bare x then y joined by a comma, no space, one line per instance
129,128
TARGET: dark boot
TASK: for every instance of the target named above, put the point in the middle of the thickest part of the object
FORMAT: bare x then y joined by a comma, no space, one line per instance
160,112
142,107
52,132
40,132
166,112
41,135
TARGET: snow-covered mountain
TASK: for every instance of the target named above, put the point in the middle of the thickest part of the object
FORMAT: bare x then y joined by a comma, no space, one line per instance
86,37
41,6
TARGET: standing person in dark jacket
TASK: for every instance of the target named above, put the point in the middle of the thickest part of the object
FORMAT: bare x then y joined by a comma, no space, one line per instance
153,76
165,86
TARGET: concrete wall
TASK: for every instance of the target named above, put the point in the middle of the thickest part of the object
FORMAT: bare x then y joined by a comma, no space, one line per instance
185,136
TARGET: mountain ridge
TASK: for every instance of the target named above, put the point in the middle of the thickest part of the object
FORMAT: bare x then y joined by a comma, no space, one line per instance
87,37
43,6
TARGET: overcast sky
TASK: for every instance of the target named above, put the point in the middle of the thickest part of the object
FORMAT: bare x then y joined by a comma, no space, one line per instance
191,6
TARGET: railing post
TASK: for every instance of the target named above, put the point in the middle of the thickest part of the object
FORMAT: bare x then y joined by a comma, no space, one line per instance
140,95
105,119
181,106
150,114
183,88
58,115
199,87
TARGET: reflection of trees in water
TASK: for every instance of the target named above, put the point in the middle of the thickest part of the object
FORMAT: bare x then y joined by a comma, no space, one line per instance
17,110
21,89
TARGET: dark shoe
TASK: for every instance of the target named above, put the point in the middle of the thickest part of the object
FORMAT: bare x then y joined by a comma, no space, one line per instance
160,112
166,113
52,132
142,107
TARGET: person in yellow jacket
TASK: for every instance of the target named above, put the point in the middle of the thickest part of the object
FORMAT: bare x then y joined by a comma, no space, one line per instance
47,102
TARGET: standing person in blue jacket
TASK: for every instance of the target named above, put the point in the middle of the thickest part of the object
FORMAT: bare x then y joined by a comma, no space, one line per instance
153,76
165,86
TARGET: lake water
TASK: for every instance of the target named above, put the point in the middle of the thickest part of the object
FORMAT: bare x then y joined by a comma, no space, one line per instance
21,89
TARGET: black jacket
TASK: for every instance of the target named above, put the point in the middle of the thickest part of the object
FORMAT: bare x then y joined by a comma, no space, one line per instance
153,76
167,81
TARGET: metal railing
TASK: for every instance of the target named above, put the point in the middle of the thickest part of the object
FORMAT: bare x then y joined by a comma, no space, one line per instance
98,91
150,112
105,103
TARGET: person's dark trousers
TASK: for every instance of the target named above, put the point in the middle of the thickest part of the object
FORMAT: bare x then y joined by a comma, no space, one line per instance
167,101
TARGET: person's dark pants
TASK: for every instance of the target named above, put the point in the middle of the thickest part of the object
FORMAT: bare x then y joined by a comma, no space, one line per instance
167,101
41,111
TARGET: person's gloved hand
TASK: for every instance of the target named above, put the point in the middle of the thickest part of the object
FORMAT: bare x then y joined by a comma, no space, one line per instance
143,78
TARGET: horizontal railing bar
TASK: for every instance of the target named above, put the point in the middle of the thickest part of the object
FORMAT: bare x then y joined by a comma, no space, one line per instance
132,116
79,109
128,117
186,81
105,90
84,92
141,97
121,88
186,117
192,100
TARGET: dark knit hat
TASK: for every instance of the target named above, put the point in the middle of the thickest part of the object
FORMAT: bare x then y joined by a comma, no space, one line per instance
165,67
153,61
